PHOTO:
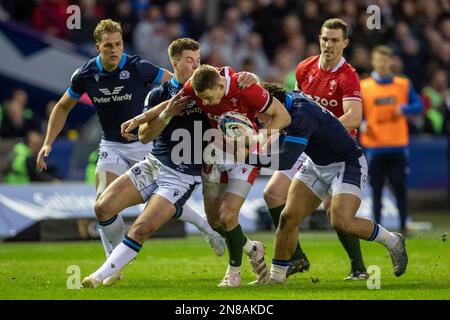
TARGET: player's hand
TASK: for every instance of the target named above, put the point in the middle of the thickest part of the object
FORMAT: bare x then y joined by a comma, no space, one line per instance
127,127
246,79
177,104
43,153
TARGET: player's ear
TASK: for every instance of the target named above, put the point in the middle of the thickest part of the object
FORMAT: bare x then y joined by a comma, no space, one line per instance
346,41
97,47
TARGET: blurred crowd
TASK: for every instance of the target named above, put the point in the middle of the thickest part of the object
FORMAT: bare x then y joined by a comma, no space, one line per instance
267,37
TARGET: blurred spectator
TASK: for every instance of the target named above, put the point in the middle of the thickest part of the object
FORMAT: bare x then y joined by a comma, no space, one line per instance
360,60
194,18
20,164
15,119
127,18
435,95
387,101
283,69
235,27
89,175
217,44
50,16
253,49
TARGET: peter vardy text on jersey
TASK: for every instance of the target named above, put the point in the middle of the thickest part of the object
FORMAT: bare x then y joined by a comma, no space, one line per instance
124,97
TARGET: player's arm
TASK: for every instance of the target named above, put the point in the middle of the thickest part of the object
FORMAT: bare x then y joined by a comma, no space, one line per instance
280,116
167,110
351,119
56,123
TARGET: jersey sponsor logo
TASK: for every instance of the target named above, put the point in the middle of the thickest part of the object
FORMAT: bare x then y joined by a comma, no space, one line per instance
215,117
323,101
124,75
106,91
112,95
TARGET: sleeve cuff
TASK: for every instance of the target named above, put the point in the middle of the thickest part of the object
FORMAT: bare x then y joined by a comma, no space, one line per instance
73,95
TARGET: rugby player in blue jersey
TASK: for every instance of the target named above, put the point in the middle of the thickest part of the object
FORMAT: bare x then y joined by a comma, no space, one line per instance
336,166
117,84
165,181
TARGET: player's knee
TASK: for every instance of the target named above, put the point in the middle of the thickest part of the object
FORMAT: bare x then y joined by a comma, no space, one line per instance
228,217
141,231
102,209
341,223
272,197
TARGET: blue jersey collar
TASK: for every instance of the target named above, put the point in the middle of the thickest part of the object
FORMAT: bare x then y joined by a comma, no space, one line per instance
123,59
175,83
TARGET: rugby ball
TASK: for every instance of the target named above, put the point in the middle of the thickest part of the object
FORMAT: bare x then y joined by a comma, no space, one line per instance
235,125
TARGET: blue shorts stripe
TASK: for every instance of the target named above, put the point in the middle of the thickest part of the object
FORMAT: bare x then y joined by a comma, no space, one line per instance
352,174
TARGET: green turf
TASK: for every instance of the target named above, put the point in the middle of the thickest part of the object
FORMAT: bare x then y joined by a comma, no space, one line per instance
188,269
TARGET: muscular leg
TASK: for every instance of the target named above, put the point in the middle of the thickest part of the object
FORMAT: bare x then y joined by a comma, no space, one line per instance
119,194
287,232
351,245
157,212
275,195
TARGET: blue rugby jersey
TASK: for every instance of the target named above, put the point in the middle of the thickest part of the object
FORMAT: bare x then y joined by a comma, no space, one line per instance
118,95
315,131
185,129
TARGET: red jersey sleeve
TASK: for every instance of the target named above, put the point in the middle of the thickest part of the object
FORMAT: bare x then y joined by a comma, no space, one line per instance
351,89
257,98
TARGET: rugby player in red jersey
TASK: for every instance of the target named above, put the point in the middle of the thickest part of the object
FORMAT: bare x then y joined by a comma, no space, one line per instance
225,186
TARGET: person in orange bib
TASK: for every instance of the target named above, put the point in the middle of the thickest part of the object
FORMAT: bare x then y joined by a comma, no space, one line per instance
387,101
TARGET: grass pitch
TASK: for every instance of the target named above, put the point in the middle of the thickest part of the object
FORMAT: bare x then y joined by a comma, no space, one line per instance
188,269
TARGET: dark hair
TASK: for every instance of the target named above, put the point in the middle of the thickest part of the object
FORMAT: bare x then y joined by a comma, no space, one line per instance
204,78
335,23
177,46
275,90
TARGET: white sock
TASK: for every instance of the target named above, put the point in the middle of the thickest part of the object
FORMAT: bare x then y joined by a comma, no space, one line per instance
234,270
106,244
114,230
249,248
119,258
278,272
190,215
388,239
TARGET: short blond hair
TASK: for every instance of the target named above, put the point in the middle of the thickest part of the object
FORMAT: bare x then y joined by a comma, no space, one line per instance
106,26
335,23
177,47
204,78
383,50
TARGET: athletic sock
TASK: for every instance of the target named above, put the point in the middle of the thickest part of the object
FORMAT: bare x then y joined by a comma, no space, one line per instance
106,244
383,236
235,242
249,248
276,213
352,246
279,269
220,230
114,230
188,214
119,258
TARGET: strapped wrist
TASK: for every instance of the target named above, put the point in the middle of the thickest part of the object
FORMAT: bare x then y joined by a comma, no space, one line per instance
165,117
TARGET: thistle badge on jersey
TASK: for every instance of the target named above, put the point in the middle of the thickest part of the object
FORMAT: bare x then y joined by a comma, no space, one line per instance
124,75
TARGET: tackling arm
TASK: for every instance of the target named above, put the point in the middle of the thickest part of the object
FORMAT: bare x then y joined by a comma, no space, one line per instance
352,114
